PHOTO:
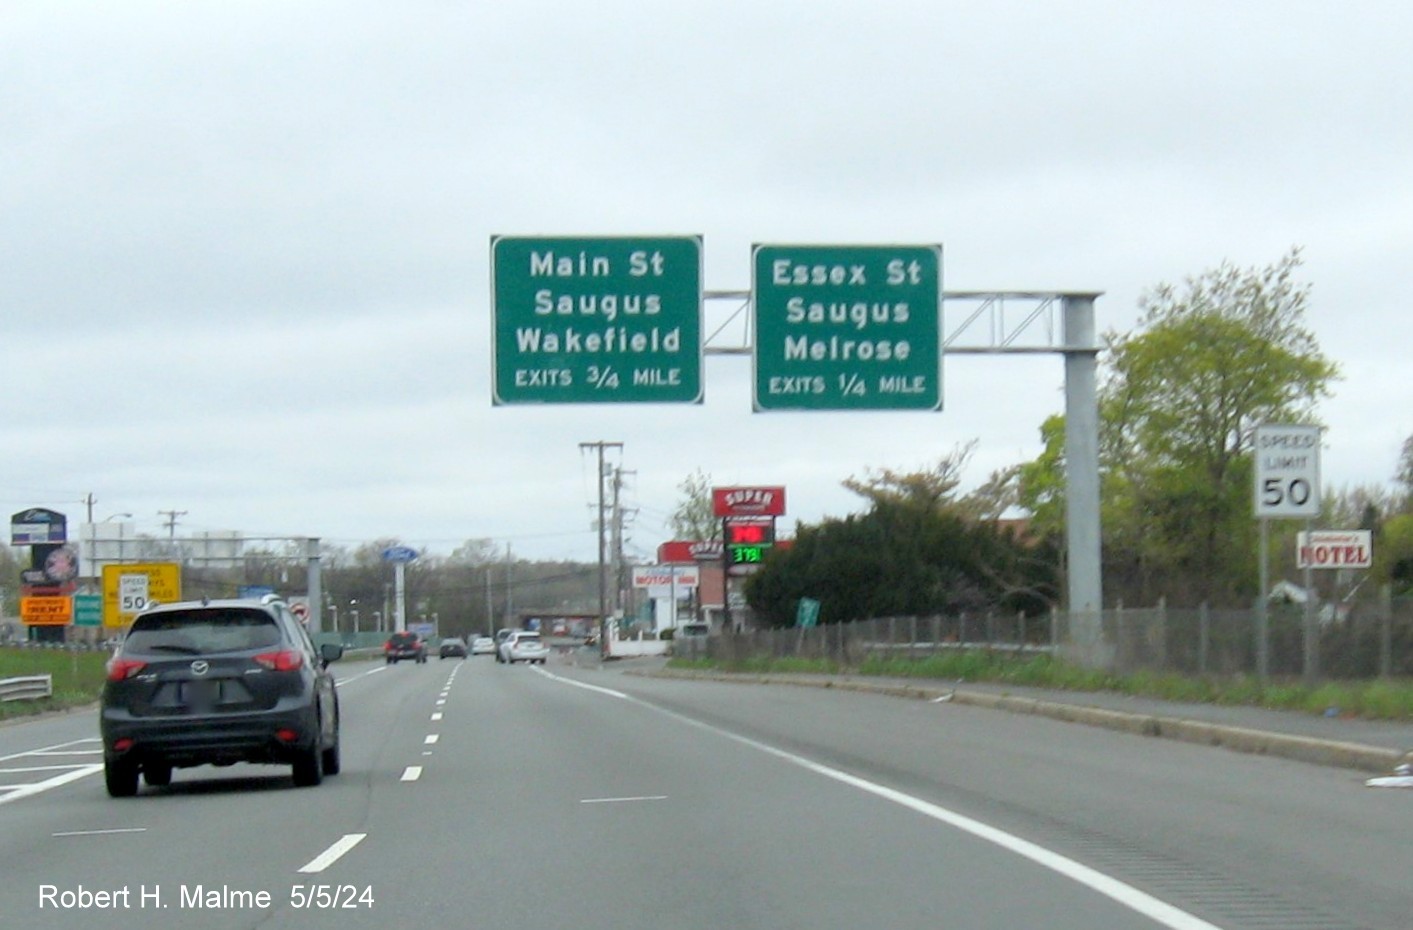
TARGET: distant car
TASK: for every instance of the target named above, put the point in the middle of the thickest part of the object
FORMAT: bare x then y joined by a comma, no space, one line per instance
501,636
483,646
407,645
453,646
525,646
218,682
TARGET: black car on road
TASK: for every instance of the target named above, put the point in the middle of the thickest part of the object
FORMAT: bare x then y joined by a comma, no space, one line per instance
405,645
218,682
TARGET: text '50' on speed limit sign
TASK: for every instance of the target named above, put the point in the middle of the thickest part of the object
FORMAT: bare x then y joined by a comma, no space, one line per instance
1287,471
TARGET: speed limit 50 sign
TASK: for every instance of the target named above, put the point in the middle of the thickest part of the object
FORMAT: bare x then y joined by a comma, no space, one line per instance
1287,471
129,588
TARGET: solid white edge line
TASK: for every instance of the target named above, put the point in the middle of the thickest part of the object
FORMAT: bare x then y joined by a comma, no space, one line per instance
101,832
587,687
331,855
372,671
1140,902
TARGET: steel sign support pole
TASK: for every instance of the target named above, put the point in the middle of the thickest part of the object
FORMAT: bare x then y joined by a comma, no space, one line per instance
1263,605
1082,539
315,590
399,596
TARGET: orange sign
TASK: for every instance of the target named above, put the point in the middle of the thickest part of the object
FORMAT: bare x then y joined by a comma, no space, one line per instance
46,611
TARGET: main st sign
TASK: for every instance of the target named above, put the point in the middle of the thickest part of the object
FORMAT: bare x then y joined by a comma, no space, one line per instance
601,320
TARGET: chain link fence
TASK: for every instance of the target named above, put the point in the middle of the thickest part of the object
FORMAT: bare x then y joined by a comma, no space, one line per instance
1353,642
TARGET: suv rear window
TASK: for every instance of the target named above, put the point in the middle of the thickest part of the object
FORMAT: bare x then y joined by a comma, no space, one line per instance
201,631
403,639
527,638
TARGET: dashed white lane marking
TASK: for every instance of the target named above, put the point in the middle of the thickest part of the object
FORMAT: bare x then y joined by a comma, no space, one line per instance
331,855
412,773
437,716
645,797
101,832
431,739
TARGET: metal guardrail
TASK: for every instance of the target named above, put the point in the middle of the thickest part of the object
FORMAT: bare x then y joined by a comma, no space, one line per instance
26,688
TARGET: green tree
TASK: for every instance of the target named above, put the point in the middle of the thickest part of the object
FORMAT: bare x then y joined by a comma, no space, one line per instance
930,489
921,549
902,559
695,517
1404,476
1181,398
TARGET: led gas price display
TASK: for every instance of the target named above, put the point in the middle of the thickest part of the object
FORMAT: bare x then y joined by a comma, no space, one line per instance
602,320
749,539
847,327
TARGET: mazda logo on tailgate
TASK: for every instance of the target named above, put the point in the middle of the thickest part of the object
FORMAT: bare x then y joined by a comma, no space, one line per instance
200,667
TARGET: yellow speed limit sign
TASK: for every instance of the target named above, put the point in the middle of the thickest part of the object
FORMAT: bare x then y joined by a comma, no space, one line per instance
127,589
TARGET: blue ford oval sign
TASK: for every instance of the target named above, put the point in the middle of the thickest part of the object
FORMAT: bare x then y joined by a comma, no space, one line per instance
399,554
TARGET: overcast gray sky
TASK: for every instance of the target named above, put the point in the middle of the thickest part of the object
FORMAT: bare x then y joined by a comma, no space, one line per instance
244,247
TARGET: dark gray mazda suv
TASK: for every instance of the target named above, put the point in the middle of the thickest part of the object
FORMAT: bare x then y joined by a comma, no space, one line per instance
218,682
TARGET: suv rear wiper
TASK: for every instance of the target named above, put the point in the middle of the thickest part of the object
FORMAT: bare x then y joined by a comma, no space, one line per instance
175,647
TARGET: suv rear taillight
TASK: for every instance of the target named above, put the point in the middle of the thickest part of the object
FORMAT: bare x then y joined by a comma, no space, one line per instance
120,669
286,660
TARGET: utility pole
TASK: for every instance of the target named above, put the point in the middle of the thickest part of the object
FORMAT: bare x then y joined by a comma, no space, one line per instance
509,587
616,550
620,567
171,516
603,565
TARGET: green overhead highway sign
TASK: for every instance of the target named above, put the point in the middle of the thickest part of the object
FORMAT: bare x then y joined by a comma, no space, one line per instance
596,320
846,327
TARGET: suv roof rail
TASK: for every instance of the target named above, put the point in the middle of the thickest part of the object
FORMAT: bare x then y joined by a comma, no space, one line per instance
271,598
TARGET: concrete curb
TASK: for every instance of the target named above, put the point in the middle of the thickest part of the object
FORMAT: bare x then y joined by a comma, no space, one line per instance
1238,739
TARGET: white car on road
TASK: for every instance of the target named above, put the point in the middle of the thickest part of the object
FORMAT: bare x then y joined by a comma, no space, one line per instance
524,646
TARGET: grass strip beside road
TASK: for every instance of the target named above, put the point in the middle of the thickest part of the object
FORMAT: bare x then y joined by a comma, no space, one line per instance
1380,699
78,678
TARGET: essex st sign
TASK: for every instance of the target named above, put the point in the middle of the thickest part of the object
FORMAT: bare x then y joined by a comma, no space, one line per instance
601,320
845,327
